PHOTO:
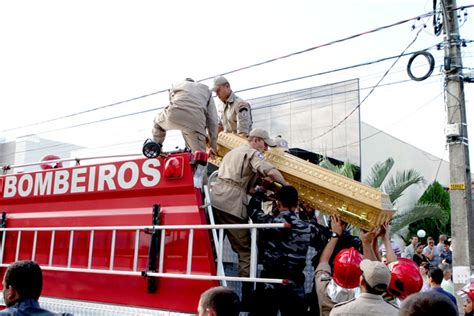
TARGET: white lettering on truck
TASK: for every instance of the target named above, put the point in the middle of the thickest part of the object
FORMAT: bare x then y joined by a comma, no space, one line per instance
84,179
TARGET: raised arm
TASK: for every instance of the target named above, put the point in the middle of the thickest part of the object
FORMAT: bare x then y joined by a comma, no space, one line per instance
367,238
391,256
336,227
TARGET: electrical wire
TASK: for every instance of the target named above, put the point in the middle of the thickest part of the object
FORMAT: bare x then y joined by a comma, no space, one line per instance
372,90
241,68
246,89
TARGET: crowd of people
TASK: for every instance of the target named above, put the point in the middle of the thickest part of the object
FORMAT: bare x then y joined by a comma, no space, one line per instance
352,275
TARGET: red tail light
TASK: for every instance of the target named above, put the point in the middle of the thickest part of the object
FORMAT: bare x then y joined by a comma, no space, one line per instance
174,167
200,157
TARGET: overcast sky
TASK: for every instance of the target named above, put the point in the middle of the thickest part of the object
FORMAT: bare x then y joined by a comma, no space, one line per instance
63,57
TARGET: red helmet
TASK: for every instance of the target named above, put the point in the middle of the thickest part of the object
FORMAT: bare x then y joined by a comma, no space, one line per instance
406,278
46,166
470,293
347,268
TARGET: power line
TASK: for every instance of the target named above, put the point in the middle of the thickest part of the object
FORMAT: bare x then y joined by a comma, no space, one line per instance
84,112
263,107
239,69
372,90
246,89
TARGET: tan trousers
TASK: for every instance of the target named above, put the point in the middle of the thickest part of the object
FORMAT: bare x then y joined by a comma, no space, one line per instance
239,239
194,141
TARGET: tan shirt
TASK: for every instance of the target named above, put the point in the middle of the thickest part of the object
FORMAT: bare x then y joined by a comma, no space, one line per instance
365,304
191,108
321,279
235,115
237,172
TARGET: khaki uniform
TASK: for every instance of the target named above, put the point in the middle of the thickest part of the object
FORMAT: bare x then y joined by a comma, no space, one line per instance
366,304
237,171
321,279
191,110
235,115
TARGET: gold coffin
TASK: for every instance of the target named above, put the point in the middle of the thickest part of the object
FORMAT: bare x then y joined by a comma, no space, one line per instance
324,190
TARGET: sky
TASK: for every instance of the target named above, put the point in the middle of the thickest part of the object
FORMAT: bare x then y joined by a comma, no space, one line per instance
63,57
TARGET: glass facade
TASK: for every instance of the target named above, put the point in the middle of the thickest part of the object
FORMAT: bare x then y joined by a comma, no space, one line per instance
315,119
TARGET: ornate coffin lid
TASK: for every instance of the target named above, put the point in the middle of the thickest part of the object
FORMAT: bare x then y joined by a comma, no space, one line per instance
324,190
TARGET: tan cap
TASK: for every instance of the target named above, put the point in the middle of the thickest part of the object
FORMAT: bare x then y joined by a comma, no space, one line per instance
263,134
219,81
375,273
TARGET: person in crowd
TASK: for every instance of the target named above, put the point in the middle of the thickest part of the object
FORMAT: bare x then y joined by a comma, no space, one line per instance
333,286
219,301
467,306
428,304
284,254
409,251
235,115
328,291
424,271
191,110
436,277
442,239
432,253
374,282
22,286
446,255
447,284
229,195
419,257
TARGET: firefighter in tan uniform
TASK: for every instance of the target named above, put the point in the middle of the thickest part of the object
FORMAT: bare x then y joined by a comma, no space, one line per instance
229,196
374,282
191,110
235,115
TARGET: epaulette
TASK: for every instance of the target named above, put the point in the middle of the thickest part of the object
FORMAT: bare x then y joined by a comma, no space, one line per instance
344,303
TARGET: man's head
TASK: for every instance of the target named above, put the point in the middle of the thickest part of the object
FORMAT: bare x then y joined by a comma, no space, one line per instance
287,197
222,88
258,138
219,301
430,242
375,276
436,276
447,273
414,240
447,244
442,238
23,279
428,303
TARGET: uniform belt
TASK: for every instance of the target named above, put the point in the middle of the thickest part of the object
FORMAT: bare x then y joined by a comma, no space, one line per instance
232,183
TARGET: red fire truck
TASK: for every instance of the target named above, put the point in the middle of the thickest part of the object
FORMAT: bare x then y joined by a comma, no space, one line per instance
124,237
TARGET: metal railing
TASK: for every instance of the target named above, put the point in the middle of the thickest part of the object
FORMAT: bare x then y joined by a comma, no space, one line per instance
134,272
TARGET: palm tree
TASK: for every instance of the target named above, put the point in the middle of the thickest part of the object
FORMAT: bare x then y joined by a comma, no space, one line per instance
394,186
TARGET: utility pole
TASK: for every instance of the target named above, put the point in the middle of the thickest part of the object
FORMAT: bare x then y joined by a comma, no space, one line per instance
460,172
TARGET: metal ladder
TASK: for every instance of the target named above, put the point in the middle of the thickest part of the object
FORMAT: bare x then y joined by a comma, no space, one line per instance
162,229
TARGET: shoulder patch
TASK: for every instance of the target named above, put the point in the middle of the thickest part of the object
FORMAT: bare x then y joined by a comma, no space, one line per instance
260,156
243,113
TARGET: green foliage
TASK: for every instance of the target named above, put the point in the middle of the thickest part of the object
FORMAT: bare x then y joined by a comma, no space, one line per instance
403,180
347,169
435,193
419,212
429,213
379,172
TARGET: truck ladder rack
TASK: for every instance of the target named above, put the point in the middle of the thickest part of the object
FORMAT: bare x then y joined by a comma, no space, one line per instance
138,229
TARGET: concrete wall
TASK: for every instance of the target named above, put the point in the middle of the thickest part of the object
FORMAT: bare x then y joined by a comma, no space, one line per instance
377,146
